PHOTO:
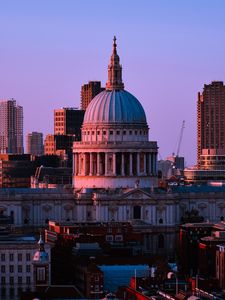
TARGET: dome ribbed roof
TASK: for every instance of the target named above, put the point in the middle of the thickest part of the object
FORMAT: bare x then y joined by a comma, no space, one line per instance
116,106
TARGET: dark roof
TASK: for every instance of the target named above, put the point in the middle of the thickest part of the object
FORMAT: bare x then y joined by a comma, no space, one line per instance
62,292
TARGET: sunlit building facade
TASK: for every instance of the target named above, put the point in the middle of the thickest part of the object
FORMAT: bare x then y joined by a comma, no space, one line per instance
11,127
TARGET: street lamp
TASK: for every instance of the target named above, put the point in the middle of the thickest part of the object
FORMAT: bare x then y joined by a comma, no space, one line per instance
169,276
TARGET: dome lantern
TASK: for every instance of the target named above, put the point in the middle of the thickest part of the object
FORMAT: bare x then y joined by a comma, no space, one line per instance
115,81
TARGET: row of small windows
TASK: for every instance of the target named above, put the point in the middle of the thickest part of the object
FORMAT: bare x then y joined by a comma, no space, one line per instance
12,268
19,257
60,119
59,113
12,281
118,132
59,124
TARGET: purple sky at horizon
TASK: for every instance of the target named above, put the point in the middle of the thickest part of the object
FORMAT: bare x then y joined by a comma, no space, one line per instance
168,50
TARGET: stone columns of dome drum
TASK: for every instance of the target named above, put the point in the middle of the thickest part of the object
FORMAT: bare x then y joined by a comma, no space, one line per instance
84,164
79,164
106,164
150,164
154,164
131,164
91,164
138,163
98,164
114,164
145,170
122,165
75,164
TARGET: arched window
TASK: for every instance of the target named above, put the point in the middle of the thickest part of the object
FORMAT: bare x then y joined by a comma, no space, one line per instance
160,241
160,221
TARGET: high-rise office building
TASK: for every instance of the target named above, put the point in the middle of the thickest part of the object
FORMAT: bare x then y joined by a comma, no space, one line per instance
11,127
34,143
211,119
89,91
68,121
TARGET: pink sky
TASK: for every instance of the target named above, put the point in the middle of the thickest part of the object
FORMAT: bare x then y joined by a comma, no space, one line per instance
168,50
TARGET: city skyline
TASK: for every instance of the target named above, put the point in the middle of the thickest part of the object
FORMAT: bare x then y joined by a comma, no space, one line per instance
167,56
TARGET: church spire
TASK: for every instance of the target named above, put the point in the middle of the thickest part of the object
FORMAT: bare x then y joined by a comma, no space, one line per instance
114,71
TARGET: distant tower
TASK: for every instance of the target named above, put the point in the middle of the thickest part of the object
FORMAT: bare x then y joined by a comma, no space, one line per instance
211,118
11,127
41,266
34,143
89,91
68,121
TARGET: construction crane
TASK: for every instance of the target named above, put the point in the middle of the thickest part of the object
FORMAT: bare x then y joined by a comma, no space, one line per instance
180,137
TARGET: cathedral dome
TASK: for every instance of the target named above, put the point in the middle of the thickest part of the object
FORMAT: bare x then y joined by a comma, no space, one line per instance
114,106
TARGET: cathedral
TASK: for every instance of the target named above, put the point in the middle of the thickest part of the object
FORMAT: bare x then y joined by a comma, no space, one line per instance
115,152
115,156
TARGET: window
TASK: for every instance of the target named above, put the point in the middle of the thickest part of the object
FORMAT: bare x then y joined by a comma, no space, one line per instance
19,256
137,212
160,221
124,132
11,280
119,238
111,132
3,280
104,132
28,280
160,241
27,256
11,268
20,268
41,274
28,268
11,292
11,256
2,269
135,132
3,257
3,291
117,132
130,132
20,280
98,132
109,238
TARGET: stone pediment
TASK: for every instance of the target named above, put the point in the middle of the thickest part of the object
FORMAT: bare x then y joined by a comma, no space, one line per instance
136,194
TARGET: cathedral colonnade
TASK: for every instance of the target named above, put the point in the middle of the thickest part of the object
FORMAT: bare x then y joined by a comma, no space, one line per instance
115,164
